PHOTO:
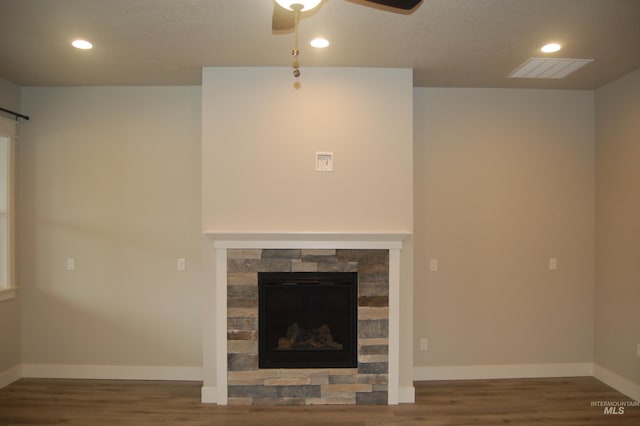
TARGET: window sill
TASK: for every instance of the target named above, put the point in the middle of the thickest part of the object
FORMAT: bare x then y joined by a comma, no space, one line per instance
7,294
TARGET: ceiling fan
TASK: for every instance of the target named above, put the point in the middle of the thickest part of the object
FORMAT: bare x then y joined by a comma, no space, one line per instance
284,10
286,15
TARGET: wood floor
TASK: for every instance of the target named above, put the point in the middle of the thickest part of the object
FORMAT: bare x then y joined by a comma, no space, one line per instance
565,401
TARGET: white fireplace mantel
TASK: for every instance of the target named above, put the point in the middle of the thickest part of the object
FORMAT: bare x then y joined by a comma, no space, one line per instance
307,240
215,338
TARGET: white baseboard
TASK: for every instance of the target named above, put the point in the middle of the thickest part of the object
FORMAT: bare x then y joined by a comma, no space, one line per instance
10,376
509,371
209,395
110,372
632,390
406,394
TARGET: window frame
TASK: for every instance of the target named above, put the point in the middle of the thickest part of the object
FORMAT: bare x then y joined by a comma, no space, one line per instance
8,129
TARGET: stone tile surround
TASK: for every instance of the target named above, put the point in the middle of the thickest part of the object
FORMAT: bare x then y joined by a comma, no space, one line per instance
250,385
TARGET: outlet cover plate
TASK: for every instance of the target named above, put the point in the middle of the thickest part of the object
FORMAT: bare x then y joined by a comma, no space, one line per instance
324,161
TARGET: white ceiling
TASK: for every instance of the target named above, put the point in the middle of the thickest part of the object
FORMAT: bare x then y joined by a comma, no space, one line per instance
451,43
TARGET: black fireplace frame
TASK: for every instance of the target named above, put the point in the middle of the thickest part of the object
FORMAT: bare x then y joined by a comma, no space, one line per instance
345,358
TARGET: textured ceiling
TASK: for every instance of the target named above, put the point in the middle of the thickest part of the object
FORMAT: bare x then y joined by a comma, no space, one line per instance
454,43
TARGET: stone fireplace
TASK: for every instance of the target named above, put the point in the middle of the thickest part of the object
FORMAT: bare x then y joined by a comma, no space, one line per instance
241,376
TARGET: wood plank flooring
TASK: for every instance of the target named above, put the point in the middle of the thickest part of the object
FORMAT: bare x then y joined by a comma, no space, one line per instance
555,401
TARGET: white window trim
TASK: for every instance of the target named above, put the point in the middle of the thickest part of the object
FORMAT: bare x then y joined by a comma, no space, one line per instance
8,290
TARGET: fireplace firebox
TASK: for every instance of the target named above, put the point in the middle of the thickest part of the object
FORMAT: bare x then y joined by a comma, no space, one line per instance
307,319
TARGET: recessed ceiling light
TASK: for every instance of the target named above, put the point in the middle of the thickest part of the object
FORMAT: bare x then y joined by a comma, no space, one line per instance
81,44
320,43
550,48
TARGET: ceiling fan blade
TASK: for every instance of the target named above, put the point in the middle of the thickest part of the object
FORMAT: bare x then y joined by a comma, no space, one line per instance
283,19
397,4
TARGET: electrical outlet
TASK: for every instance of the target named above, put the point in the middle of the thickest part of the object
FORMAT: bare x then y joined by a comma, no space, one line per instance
423,345
553,263
433,265
638,350
324,161
181,264
71,264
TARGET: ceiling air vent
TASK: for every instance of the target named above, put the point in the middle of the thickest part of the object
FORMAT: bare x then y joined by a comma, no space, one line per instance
548,68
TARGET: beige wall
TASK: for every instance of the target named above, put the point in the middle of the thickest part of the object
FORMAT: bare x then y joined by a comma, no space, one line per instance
260,136
9,334
10,309
504,180
9,96
618,227
110,177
